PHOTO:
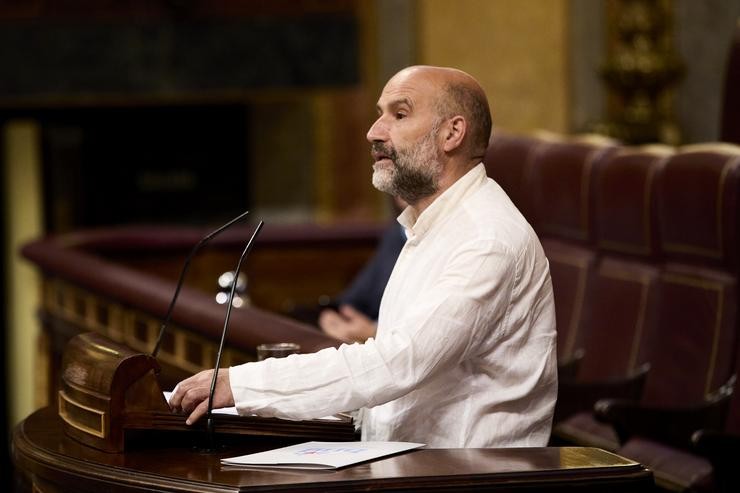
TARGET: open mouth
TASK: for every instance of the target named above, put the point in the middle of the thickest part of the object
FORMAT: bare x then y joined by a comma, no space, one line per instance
380,154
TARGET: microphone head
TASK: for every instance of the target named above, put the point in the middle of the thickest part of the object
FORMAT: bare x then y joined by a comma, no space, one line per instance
184,270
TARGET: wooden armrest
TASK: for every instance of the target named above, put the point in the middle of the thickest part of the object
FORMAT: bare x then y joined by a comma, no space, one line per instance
672,426
716,444
568,369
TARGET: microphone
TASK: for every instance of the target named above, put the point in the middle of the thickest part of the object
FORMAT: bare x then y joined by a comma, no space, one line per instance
192,253
209,413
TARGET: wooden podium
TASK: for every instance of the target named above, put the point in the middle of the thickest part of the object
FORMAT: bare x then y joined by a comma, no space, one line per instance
113,431
49,461
109,390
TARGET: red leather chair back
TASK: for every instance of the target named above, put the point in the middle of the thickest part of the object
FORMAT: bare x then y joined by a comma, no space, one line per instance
562,181
624,202
699,206
623,300
563,175
508,161
692,353
571,268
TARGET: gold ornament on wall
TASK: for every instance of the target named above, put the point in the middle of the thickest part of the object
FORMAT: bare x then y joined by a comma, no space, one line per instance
641,71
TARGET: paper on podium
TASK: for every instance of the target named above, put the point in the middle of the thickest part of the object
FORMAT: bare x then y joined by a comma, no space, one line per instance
320,455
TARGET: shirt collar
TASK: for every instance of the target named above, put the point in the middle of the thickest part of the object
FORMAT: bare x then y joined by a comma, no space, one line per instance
448,200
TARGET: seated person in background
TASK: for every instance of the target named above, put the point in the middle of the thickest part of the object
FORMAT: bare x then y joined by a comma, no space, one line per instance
464,354
355,319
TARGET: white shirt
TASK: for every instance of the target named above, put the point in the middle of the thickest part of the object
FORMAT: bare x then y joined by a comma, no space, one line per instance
464,354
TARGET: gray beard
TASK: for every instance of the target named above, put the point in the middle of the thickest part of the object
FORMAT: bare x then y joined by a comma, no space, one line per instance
415,173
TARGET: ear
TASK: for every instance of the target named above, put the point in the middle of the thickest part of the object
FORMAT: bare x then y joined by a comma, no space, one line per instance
454,134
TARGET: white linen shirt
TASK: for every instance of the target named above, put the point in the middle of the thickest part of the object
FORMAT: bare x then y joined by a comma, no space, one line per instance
464,354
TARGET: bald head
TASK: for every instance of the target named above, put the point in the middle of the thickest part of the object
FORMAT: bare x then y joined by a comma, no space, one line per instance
432,128
458,93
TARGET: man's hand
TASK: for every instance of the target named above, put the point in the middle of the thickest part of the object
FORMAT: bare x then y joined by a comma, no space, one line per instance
191,395
347,325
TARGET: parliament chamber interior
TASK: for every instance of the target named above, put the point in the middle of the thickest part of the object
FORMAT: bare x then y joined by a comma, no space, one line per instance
133,130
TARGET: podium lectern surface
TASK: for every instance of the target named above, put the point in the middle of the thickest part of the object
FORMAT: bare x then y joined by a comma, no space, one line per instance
51,461
108,391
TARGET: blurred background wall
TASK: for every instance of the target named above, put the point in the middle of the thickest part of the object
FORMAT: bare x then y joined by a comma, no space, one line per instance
186,111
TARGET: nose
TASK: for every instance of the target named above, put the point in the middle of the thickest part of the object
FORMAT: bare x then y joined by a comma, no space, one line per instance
378,131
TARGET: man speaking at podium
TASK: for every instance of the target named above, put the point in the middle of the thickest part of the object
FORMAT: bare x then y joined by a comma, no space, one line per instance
464,354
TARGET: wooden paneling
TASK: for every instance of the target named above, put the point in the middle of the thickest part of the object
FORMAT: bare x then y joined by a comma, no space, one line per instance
517,51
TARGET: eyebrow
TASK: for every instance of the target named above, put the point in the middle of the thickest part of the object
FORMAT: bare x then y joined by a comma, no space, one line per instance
396,103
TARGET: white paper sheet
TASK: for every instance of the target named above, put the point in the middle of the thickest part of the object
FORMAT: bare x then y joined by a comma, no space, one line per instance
320,455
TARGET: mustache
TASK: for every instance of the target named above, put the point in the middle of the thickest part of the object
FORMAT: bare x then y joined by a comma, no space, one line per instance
379,148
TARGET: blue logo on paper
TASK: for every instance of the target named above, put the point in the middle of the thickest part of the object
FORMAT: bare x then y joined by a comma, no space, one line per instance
328,450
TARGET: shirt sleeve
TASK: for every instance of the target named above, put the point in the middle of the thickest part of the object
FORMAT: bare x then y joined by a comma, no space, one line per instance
441,328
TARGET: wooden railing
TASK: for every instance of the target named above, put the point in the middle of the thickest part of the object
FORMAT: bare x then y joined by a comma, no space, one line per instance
119,283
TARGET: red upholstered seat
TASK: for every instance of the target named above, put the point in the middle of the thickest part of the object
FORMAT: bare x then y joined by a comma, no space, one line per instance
693,349
623,298
644,252
571,267
563,174
692,353
621,306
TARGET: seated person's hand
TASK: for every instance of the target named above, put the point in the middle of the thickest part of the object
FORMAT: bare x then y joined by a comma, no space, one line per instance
347,324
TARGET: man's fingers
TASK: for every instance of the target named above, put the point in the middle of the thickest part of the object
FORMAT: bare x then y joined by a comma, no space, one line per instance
191,395
176,397
189,401
338,331
333,324
183,396
329,317
199,411
350,312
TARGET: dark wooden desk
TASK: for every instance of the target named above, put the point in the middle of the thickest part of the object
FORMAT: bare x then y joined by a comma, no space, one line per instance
51,462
